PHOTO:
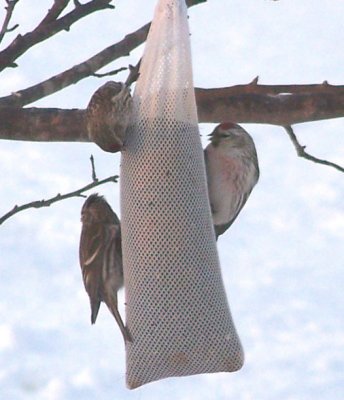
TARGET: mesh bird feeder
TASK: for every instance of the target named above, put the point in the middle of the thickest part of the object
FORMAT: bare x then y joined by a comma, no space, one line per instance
177,310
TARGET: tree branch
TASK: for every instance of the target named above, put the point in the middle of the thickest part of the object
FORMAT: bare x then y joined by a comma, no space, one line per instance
268,104
134,73
54,12
48,27
78,72
9,11
94,175
300,150
110,73
43,124
59,197
248,104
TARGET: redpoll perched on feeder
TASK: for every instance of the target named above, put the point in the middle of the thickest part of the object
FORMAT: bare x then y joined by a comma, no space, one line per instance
232,172
100,256
108,115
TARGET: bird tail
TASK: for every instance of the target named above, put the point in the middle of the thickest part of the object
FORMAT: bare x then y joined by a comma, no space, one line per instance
94,311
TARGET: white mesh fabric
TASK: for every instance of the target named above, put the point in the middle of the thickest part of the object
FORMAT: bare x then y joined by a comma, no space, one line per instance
177,310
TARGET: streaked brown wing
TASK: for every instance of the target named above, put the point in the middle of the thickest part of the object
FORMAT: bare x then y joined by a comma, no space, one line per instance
91,255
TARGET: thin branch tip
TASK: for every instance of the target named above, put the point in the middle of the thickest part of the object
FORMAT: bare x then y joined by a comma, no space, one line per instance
94,175
59,197
254,81
134,73
300,151
110,73
9,12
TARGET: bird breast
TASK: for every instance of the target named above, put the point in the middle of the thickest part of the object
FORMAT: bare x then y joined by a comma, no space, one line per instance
225,185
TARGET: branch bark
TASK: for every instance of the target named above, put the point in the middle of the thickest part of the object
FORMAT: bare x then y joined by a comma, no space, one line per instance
48,27
78,72
43,124
266,104
242,104
54,11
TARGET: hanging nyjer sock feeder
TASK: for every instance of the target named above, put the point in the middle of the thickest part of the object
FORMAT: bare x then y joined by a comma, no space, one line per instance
177,310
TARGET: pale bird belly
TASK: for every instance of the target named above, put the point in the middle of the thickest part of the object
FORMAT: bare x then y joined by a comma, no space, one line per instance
223,189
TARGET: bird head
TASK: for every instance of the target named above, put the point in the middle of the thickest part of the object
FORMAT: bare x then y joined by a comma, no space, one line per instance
229,133
97,210
104,95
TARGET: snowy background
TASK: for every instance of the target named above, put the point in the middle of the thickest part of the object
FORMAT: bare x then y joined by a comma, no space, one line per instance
282,260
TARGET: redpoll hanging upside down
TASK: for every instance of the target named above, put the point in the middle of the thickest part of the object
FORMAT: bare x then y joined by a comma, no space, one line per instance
108,115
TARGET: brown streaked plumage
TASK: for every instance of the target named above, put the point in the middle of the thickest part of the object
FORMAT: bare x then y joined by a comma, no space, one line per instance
108,115
100,255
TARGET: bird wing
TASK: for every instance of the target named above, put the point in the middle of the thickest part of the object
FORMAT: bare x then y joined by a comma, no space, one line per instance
90,244
206,162
220,229
90,254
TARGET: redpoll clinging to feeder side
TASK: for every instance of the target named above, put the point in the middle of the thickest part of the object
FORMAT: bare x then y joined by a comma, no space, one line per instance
108,115
100,256
232,172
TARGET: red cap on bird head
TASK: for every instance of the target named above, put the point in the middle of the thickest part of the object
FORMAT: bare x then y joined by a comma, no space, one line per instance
228,125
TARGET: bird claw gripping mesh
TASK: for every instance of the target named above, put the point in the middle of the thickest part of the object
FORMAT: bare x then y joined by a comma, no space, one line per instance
177,310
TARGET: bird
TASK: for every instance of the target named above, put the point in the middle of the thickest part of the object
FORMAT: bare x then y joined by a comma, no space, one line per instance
100,255
108,115
232,171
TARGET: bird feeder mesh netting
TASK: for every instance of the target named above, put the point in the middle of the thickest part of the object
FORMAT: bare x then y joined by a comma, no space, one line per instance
177,310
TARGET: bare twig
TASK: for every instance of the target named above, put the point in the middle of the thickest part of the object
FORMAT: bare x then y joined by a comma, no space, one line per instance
59,197
48,27
254,81
9,11
94,175
133,73
300,150
110,73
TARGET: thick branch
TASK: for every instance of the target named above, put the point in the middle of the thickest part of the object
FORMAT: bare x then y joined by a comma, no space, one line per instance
271,104
248,104
43,124
54,11
47,28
